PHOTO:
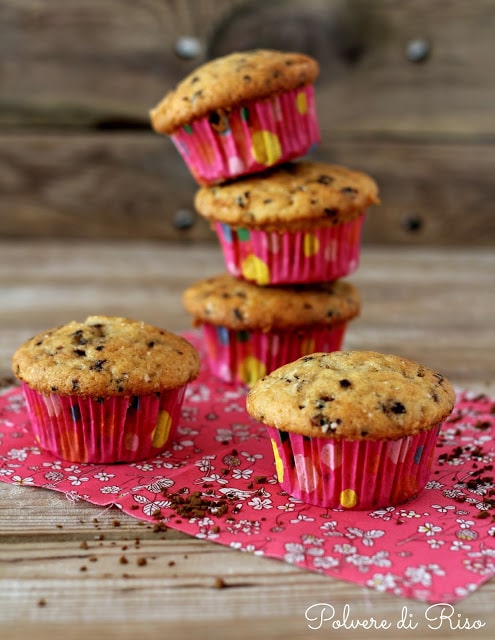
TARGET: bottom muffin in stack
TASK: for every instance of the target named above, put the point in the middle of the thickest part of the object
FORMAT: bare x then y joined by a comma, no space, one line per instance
251,330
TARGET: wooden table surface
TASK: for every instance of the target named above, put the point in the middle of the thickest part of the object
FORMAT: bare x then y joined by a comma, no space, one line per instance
434,305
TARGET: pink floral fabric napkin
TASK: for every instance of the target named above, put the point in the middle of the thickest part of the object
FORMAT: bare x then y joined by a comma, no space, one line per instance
218,482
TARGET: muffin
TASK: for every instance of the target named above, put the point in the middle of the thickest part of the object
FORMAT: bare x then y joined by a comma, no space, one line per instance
241,113
107,389
297,223
352,429
249,330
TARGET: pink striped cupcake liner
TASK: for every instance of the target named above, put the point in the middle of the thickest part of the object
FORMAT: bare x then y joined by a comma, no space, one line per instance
353,474
111,429
250,138
291,257
245,356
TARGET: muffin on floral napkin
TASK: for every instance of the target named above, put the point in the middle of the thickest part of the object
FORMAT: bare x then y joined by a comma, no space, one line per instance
352,429
297,223
108,389
250,330
241,113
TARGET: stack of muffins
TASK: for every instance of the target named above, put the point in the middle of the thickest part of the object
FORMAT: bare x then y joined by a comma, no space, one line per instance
289,229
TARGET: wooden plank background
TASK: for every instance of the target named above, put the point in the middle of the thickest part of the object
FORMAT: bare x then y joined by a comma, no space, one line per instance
77,79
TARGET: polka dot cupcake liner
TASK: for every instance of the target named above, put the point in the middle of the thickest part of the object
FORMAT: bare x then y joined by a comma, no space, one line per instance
98,430
250,138
358,474
296,257
246,356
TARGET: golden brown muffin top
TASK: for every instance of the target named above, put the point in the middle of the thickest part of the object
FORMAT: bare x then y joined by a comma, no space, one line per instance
105,356
230,81
226,301
354,395
292,196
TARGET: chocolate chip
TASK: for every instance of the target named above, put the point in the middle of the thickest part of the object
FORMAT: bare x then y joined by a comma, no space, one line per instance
238,314
214,118
78,337
394,407
349,191
75,384
324,179
97,365
345,384
398,408
243,199
80,352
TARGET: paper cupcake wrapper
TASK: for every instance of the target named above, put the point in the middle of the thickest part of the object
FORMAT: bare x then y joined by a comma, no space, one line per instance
246,356
291,257
97,430
359,474
249,138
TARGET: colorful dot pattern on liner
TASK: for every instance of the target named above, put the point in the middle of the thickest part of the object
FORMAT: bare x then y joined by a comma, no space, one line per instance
113,429
291,257
246,356
251,138
360,474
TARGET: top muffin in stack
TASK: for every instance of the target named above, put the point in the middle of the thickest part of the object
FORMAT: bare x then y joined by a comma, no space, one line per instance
242,113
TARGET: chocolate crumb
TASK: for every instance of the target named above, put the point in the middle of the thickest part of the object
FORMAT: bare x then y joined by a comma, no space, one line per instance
219,583
141,561
123,560
42,602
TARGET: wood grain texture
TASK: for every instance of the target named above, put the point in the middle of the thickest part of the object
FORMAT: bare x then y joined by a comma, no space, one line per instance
432,304
87,61
78,158
123,186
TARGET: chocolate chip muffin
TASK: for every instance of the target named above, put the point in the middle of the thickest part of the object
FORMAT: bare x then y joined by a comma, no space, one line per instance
297,223
107,389
241,113
251,330
352,429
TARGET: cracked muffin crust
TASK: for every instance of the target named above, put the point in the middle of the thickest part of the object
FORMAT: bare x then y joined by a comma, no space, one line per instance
105,356
295,195
240,305
352,395
229,81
